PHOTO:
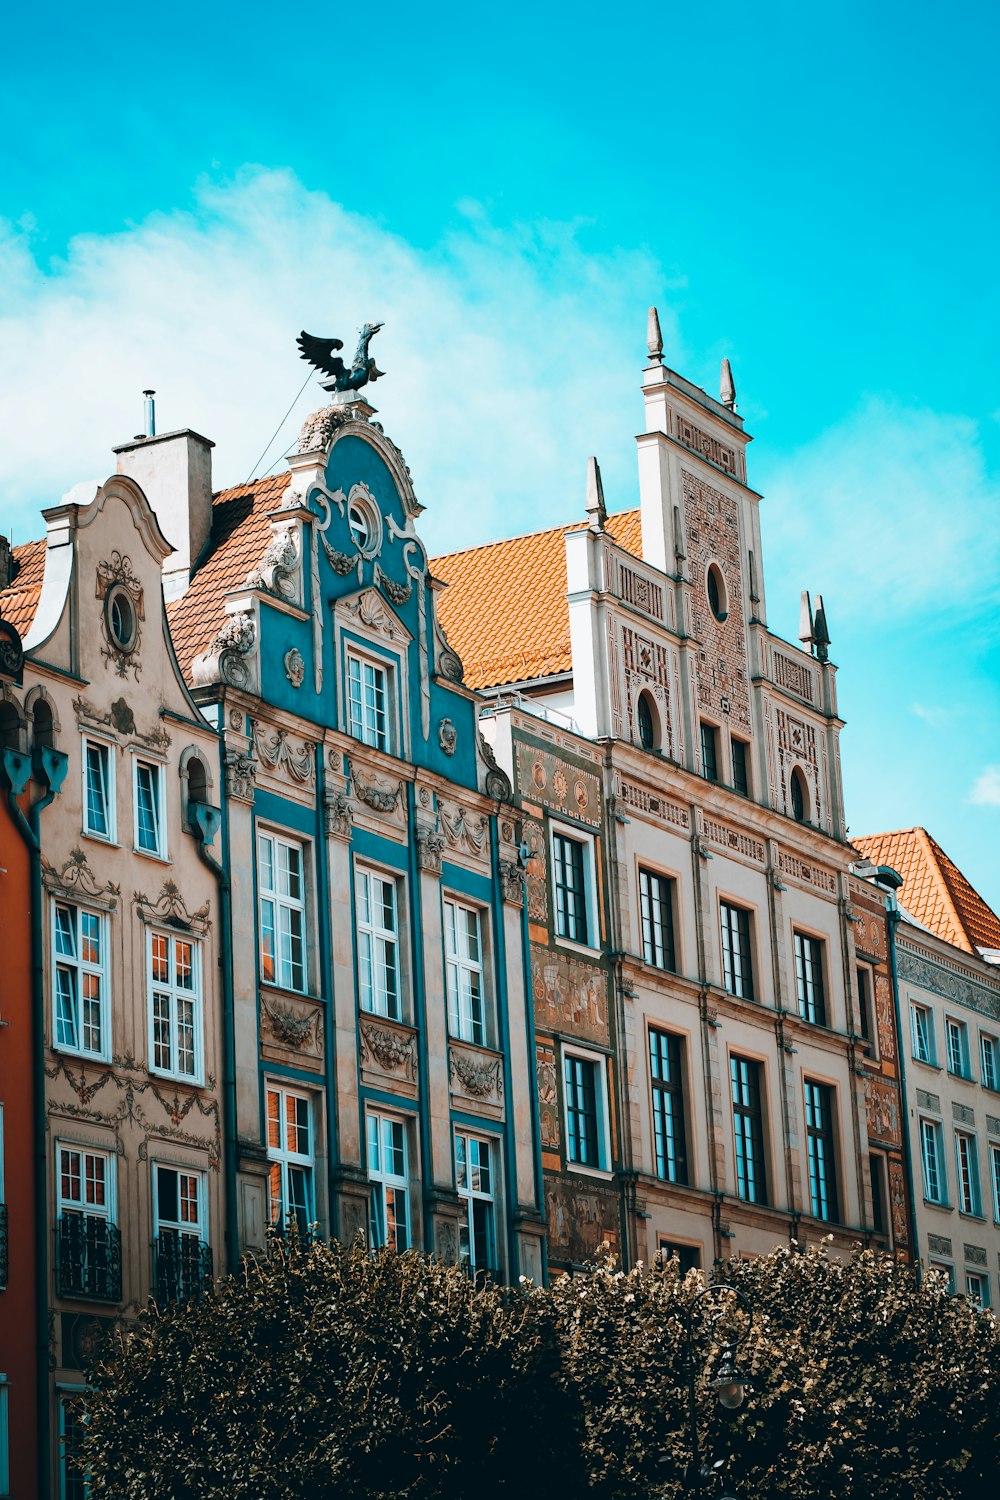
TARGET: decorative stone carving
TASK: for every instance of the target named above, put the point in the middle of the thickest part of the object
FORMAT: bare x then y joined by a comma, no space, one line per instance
950,983
134,1091
377,794
11,652
463,828
299,1027
116,573
338,812
276,571
121,718
430,847
276,753
975,1255
393,1051
397,593
449,663
512,882
225,660
369,610
317,429
295,667
496,782
482,1077
76,878
236,719
447,736
170,907
938,1244
415,563
241,776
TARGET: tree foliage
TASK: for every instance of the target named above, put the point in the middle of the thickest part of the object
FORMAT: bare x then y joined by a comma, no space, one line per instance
329,1370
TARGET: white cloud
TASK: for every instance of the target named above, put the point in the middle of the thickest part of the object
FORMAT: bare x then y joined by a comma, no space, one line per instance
986,789
935,717
510,356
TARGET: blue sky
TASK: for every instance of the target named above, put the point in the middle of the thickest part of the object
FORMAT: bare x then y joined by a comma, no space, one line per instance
811,191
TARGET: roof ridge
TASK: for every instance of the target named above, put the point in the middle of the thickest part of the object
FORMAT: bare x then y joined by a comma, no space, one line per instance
931,850
953,876
526,536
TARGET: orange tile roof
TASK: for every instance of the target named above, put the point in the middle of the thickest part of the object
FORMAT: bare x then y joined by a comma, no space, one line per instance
505,610
19,602
240,535
934,889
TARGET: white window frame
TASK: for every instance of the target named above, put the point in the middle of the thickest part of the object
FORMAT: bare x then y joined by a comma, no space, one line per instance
175,995
465,972
159,785
83,969
932,1130
995,1181
599,1063
196,1228
980,1298
105,1210
379,946
589,864
289,1159
989,1046
362,724
957,1037
386,1180
917,1052
969,1189
471,1194
285,906
107,753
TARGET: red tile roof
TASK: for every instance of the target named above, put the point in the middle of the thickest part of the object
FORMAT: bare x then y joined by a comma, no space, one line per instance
505,610
934,889
19,602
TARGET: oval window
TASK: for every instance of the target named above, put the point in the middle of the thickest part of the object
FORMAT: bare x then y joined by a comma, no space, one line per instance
357,520
645,722
120,613
716,586
800,797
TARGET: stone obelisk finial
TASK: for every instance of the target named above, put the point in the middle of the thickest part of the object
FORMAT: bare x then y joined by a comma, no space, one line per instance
821,630
596,512
654,338
727,390
807,630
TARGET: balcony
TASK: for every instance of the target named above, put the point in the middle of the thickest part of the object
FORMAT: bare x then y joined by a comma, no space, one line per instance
182,1266
88,1257
4,1260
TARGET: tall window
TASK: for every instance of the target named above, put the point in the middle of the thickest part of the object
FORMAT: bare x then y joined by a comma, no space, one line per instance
990,1058
570,883
666,1074
977,1288
388,1171
464,972
645,722
291,1154
281,883
741,777
995,1180
864,982
73,1483
921,1034
88,1246
98,790
175,1005
819,1141
656,908
958,1048
183,1260
968,1173
368,702
709,752
809,978
584,1102
751,1178
81,980
932,1159
880,1223
378,944
737,960
475,1180
150,833
799,796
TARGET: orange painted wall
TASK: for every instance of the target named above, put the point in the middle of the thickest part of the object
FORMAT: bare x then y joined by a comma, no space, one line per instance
17,1303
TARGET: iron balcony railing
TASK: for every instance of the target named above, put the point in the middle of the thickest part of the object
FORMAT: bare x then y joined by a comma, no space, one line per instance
88,1257
182,1266
4,1257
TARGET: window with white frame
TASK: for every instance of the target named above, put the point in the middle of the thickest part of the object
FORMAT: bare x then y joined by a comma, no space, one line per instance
80,980
737,955
84,1182
150,824
977,1288
88,1245
73,1480
585,1097
463,939
282,898
809,985
968,1173
291,1152
932,1160
573,888
921,1033
989,1056
175,1008
378,943
98,790
958,1048
388,1172
368,702
180,1229
995,1181
476,1181
656,914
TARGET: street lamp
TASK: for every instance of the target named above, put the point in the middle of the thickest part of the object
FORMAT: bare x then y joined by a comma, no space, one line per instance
729,1383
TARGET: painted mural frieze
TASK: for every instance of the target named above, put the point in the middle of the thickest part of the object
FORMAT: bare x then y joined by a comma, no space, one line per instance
545,777
548,1096
126,1107
885,1018
533,834
123,614
241,775
392,1050
463,829
948,983
569,996
477,1074
897,1202
76,878
378,794
227,658
580,1222
121,719
274,751
170,907
882,1110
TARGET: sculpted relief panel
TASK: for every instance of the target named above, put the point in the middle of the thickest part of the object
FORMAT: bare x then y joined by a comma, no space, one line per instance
713,535
569,996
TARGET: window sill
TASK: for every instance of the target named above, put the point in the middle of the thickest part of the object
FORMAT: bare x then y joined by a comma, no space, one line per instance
91,1057
160,859
940,1203
284,989
967,1214
932,1067
573,947
603,1173
100,838
182,1078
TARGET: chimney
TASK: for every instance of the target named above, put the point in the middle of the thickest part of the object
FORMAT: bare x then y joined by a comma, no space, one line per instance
174,472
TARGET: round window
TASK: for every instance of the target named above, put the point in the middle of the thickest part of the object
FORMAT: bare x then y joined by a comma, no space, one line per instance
120,613
800,797
717,592
361,532
645,722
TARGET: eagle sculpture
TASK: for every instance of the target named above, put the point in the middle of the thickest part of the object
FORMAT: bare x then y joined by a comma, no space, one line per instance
320,352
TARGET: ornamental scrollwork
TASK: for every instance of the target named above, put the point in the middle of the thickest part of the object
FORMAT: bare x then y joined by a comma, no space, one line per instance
483,1080
77,878
293,1028
376,795
391,1050
275,573
225,660
461,827
115,573
449,663
128,1109
121,718
276,753
497,782
171,907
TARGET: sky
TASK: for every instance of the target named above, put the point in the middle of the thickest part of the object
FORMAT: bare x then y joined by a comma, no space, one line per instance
810,191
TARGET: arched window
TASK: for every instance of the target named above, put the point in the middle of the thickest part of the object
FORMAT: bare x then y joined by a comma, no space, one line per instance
716,588
42,726
197,780
646,722
800,797
10,727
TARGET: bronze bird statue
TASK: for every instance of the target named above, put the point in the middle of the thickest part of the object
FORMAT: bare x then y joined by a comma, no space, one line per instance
320,352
